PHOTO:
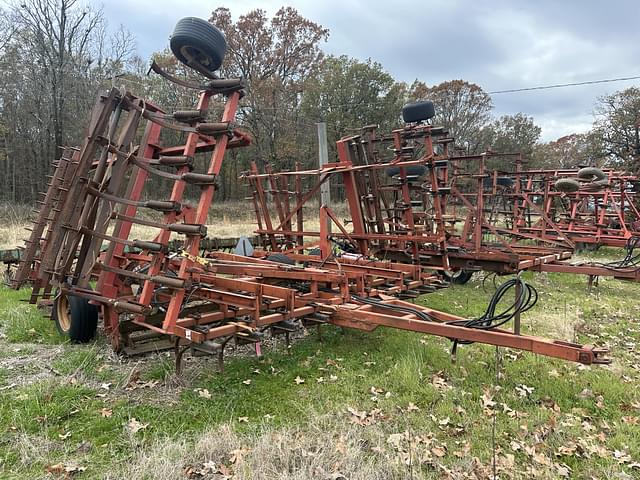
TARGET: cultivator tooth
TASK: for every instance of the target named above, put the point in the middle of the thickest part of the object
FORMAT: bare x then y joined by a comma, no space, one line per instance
209,347
248,338
316,319
426,289
284,327
409,294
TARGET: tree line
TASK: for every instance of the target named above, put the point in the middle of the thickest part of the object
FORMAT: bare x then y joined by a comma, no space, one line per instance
57,55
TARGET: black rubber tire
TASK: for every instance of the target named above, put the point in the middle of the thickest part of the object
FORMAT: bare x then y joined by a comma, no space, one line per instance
82,322
505,182
567,185
591,174
411,171
459,277
586,247
196,38
418,111
280,258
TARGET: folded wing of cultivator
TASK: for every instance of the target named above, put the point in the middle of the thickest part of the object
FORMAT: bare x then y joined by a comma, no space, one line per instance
412,199
81,260
416,204
591,206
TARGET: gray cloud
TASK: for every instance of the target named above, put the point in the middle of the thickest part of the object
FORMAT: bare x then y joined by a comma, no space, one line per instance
497,44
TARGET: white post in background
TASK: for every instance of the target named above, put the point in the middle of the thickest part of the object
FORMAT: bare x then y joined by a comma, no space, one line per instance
323,157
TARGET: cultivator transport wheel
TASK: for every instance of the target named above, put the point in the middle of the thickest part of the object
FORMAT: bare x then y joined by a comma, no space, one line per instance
280,258
198,44
75,318
567,185
586,247
591,174
459,277
418,112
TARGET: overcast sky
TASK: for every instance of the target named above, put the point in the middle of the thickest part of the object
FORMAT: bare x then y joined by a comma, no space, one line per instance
497,44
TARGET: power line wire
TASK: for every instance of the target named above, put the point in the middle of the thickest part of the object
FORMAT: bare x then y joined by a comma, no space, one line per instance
561,85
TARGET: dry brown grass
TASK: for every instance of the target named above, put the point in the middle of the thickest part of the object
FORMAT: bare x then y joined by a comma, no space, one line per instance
226,219
328,448
14,218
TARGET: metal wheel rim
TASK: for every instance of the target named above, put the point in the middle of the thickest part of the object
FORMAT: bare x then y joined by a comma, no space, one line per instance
195,55
454,274
63,311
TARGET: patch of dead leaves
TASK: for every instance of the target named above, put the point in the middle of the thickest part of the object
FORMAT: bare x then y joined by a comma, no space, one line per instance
364,418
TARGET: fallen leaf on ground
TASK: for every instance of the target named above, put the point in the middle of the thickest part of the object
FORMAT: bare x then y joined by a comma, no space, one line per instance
106,412
135,426
523,390
439,451
236,456
61,468
487,400
203,392
412,407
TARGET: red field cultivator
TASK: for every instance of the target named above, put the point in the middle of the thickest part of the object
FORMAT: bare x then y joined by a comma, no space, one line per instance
592,207
81,260
412,200
408,207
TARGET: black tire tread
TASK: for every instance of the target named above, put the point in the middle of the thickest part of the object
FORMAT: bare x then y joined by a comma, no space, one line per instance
196,32
418,111
591,174
461,279
567,185
84,319
280,258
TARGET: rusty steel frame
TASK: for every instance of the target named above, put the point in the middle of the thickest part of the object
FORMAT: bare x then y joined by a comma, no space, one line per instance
536,210
200,299
401,219
456,216
601,215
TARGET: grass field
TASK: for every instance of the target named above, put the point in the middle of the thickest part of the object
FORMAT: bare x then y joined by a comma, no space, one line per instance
387,404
